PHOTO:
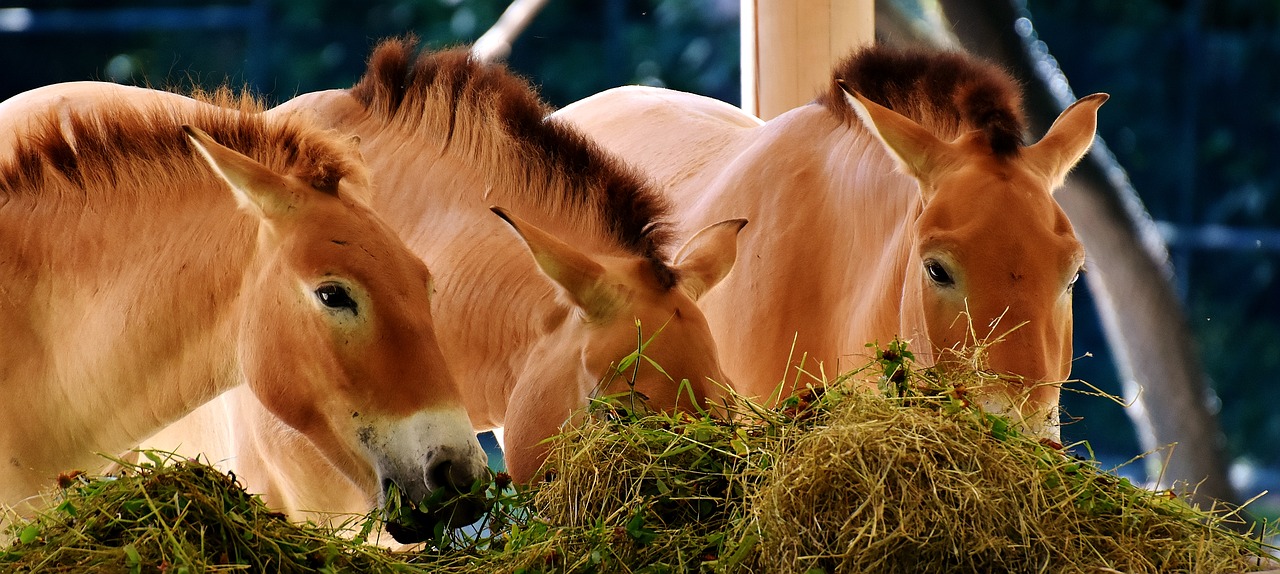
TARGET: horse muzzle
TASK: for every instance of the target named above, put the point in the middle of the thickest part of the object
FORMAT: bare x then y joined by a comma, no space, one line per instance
454,497
431,470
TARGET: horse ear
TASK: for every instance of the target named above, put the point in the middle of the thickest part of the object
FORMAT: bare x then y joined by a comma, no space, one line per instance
258,189
708,256
579,278
1067,141
353,143
918,152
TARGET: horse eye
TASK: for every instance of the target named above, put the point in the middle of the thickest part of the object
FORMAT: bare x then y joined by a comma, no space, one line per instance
335,296
1075,278
937,273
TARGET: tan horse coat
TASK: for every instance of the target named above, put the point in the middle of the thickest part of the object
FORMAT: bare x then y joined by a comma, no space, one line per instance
931,223
530,337
137,287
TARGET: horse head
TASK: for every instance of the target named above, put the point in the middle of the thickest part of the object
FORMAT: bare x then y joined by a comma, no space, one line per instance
336,338
636,325
994,256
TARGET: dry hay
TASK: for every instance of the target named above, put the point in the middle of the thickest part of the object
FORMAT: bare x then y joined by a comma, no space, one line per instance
836,481
911,480
884,488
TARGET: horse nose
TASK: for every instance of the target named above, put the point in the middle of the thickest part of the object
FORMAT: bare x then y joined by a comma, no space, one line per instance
456,471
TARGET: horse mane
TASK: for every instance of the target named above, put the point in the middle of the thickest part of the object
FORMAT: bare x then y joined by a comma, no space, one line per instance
100,149
496,119
948,93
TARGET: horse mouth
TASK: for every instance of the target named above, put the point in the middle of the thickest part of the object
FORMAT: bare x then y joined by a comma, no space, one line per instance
444,509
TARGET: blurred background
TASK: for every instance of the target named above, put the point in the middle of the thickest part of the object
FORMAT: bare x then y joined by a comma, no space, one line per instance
1194,117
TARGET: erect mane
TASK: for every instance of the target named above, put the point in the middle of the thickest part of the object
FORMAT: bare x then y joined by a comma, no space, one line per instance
497,121
98,150
948,93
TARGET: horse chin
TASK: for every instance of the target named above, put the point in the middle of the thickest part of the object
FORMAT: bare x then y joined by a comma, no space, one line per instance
414,525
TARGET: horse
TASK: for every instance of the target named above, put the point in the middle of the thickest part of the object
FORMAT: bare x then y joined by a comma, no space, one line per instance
146,269
900,203
539,301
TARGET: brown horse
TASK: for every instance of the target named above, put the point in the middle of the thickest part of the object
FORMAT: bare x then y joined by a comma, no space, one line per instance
532,337
137,287
902,203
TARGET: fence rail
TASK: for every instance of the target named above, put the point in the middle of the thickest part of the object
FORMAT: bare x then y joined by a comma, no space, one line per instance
1219,237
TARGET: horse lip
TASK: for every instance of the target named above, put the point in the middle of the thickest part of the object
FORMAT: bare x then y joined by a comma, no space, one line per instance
416,525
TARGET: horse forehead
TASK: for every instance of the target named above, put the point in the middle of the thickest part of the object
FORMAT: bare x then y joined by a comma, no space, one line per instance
1008,223
998,193
653,304
353,240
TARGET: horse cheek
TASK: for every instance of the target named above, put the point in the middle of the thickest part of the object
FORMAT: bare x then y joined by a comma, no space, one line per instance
946,326
273,367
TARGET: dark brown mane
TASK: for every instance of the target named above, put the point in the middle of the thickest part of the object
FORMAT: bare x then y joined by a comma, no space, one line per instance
497,117
949,93
102,148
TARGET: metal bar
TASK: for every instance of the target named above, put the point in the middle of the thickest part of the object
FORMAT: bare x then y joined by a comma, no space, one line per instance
1220,237
26,20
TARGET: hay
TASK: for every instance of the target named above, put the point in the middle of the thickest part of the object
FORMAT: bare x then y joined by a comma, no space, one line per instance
890,489
177,516
912,479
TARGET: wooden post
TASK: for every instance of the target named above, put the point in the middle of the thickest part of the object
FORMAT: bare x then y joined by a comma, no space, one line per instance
790,46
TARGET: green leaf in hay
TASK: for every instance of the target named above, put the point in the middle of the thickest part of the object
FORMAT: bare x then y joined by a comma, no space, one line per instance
67,508
133,508
365,529
132,558
627,361
740,553
739,447
154,458
29,534
637,530
657,367
1000,428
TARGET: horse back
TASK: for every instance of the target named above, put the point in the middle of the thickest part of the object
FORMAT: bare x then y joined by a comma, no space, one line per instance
675,138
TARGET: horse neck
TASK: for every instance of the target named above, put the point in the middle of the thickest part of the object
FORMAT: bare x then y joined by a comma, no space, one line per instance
133,333
883,206
491,299
434,168
856,210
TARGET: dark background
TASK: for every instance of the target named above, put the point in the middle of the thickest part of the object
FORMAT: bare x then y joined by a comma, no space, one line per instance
1194,116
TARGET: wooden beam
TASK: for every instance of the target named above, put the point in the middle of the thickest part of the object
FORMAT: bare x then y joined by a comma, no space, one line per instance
790,46
495,45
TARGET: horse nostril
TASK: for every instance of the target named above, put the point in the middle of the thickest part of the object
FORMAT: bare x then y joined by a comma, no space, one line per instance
442,475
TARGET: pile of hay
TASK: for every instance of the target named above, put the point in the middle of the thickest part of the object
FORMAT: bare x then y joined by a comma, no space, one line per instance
176,516
910,480
837,481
